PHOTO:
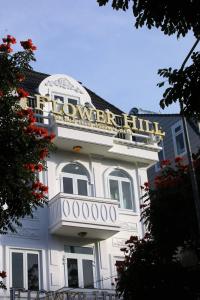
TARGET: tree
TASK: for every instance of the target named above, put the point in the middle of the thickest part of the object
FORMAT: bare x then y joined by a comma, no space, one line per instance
165,263
172,17
24,145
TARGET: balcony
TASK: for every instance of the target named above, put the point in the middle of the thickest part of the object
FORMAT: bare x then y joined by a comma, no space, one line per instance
83,216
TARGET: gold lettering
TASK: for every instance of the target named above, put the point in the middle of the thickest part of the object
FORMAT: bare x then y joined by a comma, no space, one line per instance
147,126
40,102
100,116
69,110
85,113
57,108
157,130
141,128
110,119
86,117
130,120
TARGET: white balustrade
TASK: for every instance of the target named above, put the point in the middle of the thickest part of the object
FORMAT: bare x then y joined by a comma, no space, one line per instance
83,212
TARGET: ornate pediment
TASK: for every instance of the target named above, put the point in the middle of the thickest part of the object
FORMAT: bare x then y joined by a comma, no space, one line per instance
64,86
63,83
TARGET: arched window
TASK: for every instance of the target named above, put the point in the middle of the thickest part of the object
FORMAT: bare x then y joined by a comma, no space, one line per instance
121,189
75,180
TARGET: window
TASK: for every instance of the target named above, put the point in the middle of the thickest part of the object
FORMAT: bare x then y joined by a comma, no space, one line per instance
178,139
79,266
25,270
115,262
75,180
161,156
61,99
121,188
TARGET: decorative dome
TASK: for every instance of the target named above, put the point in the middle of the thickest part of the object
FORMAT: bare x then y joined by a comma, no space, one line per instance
61,85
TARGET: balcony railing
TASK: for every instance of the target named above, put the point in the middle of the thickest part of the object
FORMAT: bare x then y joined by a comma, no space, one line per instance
63,294
84,216
45,118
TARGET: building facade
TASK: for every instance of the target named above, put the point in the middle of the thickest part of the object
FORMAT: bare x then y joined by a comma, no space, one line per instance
174,143
94,178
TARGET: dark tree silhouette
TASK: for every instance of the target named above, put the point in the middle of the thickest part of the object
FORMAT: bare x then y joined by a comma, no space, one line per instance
171,17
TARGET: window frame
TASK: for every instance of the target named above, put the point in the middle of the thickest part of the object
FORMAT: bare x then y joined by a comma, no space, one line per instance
66,98
75,178
175,134
80,257
120,180
113,268
25,253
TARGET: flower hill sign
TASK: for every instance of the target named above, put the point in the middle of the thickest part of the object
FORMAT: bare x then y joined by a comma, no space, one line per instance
91,117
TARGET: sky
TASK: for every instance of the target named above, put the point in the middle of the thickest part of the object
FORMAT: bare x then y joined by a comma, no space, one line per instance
98,46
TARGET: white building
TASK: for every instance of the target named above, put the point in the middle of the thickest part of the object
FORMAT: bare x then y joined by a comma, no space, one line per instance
94,180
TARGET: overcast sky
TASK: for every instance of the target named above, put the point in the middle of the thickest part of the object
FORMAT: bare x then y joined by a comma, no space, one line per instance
97,46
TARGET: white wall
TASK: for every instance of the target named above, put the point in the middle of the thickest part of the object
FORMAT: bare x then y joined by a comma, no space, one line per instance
35,235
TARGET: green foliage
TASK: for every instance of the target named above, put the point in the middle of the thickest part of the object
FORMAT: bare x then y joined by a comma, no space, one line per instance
144,275
165,263
23,144
170,212
171,17
184,85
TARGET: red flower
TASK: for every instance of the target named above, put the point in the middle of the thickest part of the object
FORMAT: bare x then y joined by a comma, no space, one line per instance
6,48
51,136
3,274
28,45
9,39
22,93
165,162
43,153
39,167
44,188
39,196
31,119
36,185
178,159
20,77
39,186
1,93
30,167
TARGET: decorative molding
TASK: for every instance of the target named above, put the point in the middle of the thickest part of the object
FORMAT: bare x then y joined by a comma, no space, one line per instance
54,258
118,242
129,227
83,210
64,86
63,83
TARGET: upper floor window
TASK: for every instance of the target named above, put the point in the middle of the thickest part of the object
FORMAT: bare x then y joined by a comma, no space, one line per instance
120,186
178,138
61,99
25,271
75,180
65,99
